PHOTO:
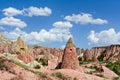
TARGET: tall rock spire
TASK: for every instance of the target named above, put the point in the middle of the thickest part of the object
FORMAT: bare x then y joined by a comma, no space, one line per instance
70,43
70,60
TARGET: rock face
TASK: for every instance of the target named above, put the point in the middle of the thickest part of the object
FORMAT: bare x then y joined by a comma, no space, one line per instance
26,57
110,53
4,44
70,60
12,71
39,50
108,73
4,40
19,46
87,55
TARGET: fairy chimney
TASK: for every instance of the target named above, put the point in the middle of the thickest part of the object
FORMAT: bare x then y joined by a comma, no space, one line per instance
70,60
19,46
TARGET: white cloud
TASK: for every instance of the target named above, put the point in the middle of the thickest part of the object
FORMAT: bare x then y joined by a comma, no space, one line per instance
62,24
105,37
52,35
85,18
35,11
92,37
11,21
31,11
10,11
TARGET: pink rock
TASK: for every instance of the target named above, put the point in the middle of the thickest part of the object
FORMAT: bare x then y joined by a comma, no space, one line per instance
15,72
4,75
108,73
26,57
70,60
87,55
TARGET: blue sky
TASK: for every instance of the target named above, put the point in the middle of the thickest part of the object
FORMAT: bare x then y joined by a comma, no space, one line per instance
51,22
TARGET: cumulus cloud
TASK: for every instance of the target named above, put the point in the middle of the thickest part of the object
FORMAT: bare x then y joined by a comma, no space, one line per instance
35,11
54,34
105,37
11,21
10,11
31,11
85,18
62,24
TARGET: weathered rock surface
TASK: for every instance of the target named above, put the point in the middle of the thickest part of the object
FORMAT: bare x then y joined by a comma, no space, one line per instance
4,44
112,53
26,57
87,55
19,46
4,40
39,50
12,71
4,75
108,73
70,60
106,53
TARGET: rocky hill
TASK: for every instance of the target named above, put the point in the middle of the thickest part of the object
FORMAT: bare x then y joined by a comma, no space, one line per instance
104,53
18,61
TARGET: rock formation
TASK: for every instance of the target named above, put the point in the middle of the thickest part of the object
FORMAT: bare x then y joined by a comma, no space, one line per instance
70,60
11,71
110,53
4,44
26,58
87,55
39,50
19,46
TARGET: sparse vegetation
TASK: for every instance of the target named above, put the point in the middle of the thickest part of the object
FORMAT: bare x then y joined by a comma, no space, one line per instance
37,67
1,65
114,67
85,62
43,75
100,75
59,75
43,61
80,58
21,64
100,58
116,78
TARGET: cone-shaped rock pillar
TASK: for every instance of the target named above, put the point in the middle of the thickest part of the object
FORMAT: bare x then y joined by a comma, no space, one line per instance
70,60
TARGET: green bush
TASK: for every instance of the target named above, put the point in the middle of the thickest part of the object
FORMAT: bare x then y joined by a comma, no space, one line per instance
58,74
80,58
37,67
43,61
43,75
85,62
1,65
100,58
114,67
